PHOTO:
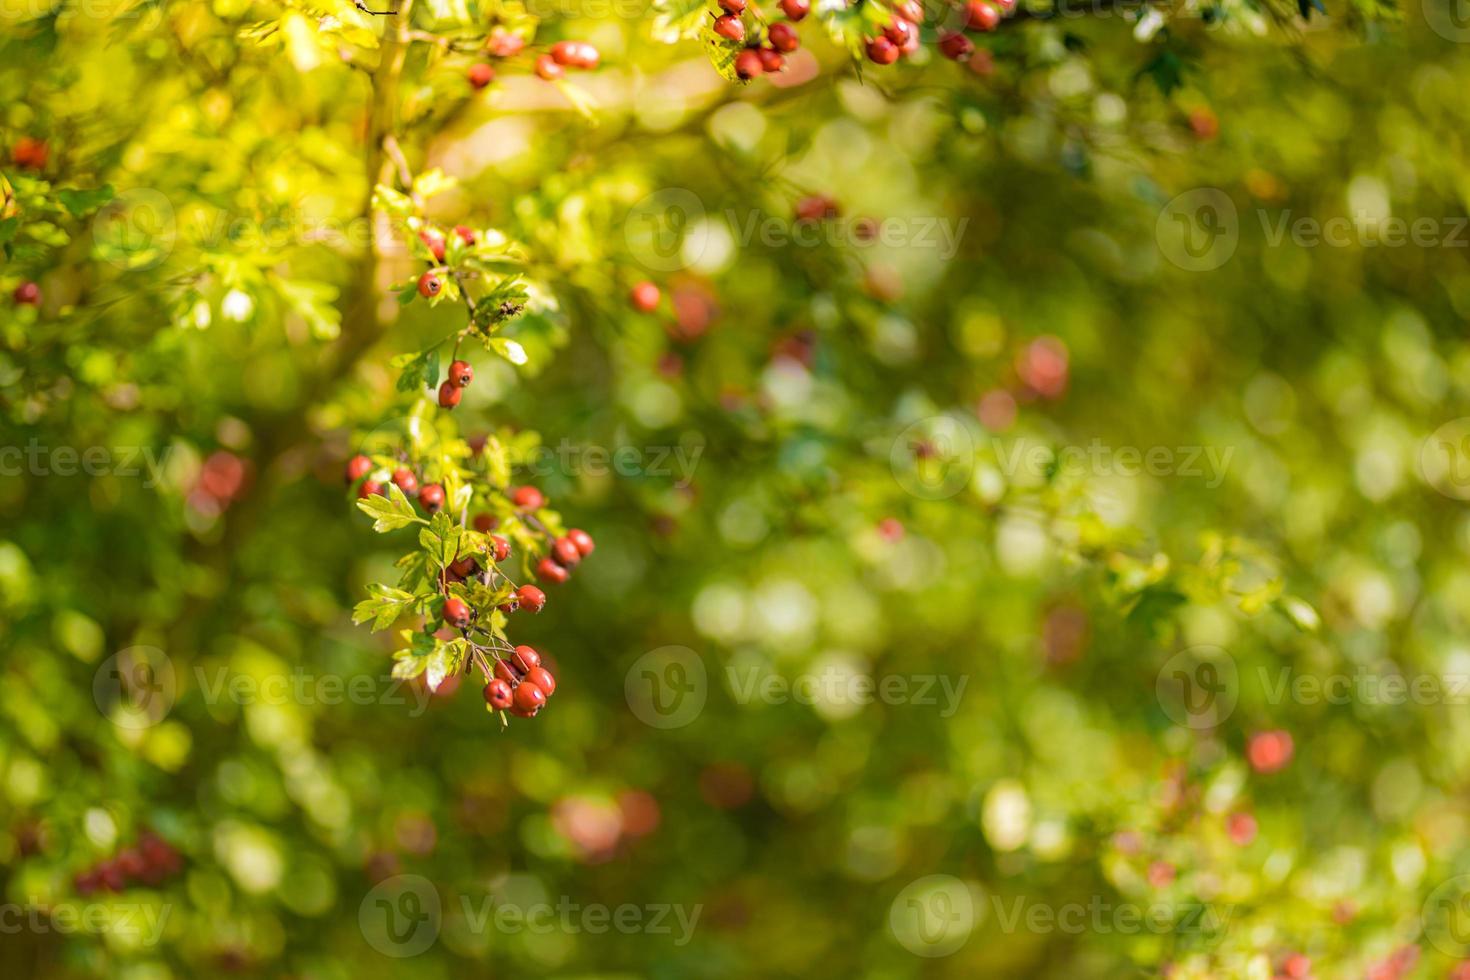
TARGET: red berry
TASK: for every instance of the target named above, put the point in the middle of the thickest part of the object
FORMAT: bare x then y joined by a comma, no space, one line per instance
566,552
645,297
527,498
1270,751
771,59
508,672
748,64
531,598
86,883
583,541
575,54
542,678
461,374
501,546
358,467
370,487
891,528
1241,827
548,69
1297,966
730,28
465,233
431,497
463,568
911,11
405,479
435,241
112,876
449,394
485,522
429,285
733,6
795,10
816,208
549,571
525,658
30,153
956,47
131,863
480,75
882,51
502,44
783,38
498,694
982,15
456,613
28,294
899,31
529,699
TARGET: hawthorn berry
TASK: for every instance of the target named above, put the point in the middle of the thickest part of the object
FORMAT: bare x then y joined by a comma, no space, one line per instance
28,294
748,65
528,699
542,678
531,597
431,497
498,694
480,75
882,51
358,467
956,47
566,552
575,54
548,69
982,15
429,285
899,31
30,153
645,297
485,522
1270,751
582,540
449,394
816,208
730,28
1241,827
501,547
525,658
911,11
783,37
549,571
456,613
461,374
503,44
435,242
463,568
466,234
527,498
771,59
733,6
370,487
1297,966
131,863
795,10
405,479
508,672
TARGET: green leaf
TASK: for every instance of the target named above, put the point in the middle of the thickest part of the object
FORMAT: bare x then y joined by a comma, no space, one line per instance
384,607
314,302
446,661
80,202
391,512
420,371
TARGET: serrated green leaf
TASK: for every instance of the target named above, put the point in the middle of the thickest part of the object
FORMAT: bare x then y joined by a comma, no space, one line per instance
391,512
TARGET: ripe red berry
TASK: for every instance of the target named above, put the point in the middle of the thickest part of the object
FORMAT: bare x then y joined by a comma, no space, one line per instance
30,153
435,242
405,479
645,297
28,294
899,31
463,568
542,678
1270,751
525,658
730,27
370,487
503,44
566,552
733,6
1298,966
748,64
575,54
982,15
531,598
548,69
498,694
527,498
582,540
1241,827
795,10
816,208
771,59
112,876
358,467
783,37
461,374
882,51
131,863
501,546
480,75
449,394
956,47
508,672
456,613
485,522
529,699
549,571
465,233
431,497
429,285
911,11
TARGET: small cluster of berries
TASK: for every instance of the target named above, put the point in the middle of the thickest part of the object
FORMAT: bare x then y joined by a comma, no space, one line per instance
781,38
152,861
550,66
521,683
901,36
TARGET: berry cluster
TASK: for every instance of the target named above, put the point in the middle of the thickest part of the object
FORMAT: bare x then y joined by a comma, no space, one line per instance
521,684
901,36
550,65
151,861
761,57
